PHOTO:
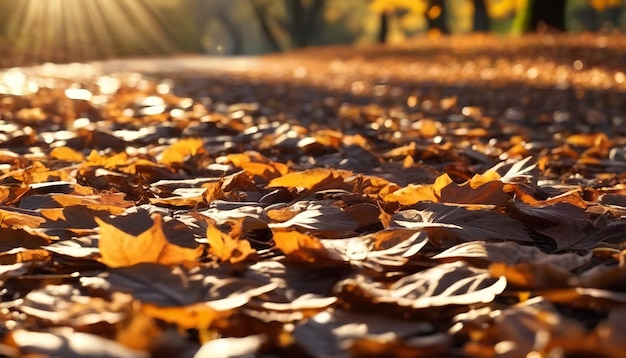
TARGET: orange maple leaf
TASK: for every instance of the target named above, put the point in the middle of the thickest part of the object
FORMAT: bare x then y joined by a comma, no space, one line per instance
119,248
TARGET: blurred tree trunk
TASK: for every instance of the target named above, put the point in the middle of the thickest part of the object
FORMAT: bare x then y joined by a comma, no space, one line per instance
436,16
304,18
481,19
540,16
383,30
261,13
301,22
233,30
547,15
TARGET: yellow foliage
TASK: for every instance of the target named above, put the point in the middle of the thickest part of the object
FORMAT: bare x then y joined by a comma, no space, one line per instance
418,6
601,5
498,9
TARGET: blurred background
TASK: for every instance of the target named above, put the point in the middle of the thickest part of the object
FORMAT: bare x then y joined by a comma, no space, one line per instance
37,31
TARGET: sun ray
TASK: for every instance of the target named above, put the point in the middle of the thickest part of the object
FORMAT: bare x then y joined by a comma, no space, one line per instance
80,30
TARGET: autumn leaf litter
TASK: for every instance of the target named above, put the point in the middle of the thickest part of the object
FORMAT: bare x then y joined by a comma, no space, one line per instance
427,200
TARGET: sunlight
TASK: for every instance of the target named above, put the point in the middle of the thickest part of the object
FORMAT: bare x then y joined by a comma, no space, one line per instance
80,30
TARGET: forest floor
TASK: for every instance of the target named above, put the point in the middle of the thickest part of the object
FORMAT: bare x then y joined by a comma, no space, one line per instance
457,197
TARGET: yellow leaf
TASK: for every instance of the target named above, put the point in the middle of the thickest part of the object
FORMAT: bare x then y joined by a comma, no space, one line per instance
67,153
312,179
441,182
39,173
14,219
599,140
301,247
417,6
198,316
95,159
181,150
114,203
214,191
481,179
119,248
228,248
412,194
25,256
602,5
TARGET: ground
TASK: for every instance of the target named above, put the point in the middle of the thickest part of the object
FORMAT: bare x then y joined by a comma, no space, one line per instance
459,197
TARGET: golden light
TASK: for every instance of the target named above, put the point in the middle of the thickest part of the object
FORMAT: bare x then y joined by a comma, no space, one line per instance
79,30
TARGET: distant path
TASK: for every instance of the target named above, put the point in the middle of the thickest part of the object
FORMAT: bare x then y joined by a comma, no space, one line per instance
558,62
183,64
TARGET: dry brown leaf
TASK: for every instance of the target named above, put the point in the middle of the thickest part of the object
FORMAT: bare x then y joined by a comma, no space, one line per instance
214,191
119,248
452,224
532,276
454,283
190,200
475,192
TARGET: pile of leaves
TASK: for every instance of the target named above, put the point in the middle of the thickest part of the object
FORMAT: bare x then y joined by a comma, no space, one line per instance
321,210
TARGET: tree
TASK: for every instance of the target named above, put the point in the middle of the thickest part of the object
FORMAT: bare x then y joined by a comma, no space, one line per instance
383,29
300,21
603,13
547,15
386,9
537,15
436,16
480,19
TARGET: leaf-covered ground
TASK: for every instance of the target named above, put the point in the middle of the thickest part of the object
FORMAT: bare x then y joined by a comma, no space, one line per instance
463,197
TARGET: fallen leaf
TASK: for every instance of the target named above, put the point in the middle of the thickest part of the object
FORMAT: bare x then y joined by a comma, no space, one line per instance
481,189
119,248
443,285
302,247
181,150
16,219
450,224
220,289
195,316
229,247
330,333
69,343
320,218
532,276
68,154
412,194
312,180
